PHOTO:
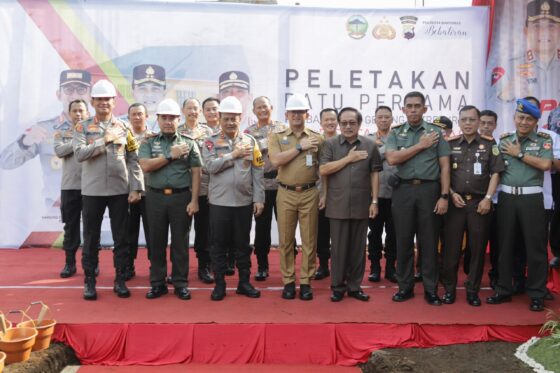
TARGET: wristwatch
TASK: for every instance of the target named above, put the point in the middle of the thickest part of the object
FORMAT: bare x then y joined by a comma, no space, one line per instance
299,148
520,155
374,202
444,196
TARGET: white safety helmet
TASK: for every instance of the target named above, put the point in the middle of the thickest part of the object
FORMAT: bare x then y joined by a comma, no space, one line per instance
297,102
231,104
168,107
103,88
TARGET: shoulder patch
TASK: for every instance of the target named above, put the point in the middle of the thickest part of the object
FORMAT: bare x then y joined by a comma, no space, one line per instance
489,138
280,130
209,145
506,134
440,125
543,135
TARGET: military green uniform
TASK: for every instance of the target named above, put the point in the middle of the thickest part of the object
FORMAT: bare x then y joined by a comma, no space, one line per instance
168,193
414,201
521,206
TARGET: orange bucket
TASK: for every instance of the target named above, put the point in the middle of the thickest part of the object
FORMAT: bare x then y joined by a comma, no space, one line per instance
45,330
17,344
2,358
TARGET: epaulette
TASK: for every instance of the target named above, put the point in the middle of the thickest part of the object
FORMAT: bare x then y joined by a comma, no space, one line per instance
544,135
440,125
312,130
489,138
280,130
454,137
506,134
279,124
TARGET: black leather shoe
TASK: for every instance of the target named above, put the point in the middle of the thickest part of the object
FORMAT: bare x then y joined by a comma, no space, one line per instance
305,292
432,299
401,295
69,270
548,295
374,276
261,275
322,273
156,292
337,296
498,299
247,289
536,305
89,289
219,292
289,291
448,298
359,295
205,276
473,299
182,293
418,277
120,289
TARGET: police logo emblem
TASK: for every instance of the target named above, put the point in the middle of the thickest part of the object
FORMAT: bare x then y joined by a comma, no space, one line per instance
384,31
495,150
356,26
408,24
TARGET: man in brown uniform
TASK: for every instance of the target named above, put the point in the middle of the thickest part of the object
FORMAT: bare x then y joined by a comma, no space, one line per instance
476,164
352,164
294,151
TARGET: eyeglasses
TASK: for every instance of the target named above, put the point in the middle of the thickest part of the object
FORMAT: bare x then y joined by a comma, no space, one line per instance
349,124
68,90
468,120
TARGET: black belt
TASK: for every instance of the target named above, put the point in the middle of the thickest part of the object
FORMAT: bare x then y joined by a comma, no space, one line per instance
169,191
271,174
416,181
468,196
297,188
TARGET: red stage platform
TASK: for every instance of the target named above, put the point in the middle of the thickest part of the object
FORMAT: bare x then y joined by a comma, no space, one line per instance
137,331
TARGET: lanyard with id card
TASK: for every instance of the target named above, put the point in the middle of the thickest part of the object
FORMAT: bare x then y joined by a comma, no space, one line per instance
309,160
477,166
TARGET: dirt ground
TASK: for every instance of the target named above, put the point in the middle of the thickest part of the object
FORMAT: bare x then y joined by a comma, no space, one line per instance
471,358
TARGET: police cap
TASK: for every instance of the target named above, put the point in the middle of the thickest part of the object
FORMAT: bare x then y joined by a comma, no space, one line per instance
543,9
75,76
148,74
234,79
445,121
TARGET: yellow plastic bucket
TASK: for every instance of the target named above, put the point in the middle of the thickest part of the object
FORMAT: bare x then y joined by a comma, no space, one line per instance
17,344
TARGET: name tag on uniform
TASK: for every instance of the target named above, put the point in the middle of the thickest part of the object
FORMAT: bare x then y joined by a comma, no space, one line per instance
308,160
284,141
477,168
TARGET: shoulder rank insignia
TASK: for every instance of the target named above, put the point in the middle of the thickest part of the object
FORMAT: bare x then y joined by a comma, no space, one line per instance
489,138
280,130
454,137
506,134
440,125
544,135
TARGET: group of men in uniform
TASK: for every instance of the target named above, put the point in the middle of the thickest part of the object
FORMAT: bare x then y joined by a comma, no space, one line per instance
402,180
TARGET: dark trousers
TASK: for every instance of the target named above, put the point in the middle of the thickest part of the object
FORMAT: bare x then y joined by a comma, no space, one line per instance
263,225
555,221
168,212
135,212
413,213
494,247
92,215
457,221
375,237
70,211
230,227
527,213
323,238
348,256
202,231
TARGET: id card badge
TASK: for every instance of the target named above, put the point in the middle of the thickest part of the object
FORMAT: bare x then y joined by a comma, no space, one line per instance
309,160
477,168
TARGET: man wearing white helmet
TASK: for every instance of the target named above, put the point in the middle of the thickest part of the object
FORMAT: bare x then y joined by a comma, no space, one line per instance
236,192
172,160
111,178
294,151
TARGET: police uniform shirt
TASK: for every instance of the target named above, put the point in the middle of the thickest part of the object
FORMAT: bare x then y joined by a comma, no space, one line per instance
71,168
199,133
385,190
472,165
517,173
111,169
296,172
176,174
261,135
425,164
233,182
349,189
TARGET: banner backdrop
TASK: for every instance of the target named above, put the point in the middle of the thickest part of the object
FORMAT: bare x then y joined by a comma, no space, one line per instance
337,57
524,58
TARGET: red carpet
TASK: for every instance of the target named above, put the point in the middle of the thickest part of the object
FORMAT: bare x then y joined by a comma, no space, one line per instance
237,330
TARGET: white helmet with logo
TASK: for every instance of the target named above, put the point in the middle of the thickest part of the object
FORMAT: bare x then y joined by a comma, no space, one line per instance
168,107
103,88
297,102
231,104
